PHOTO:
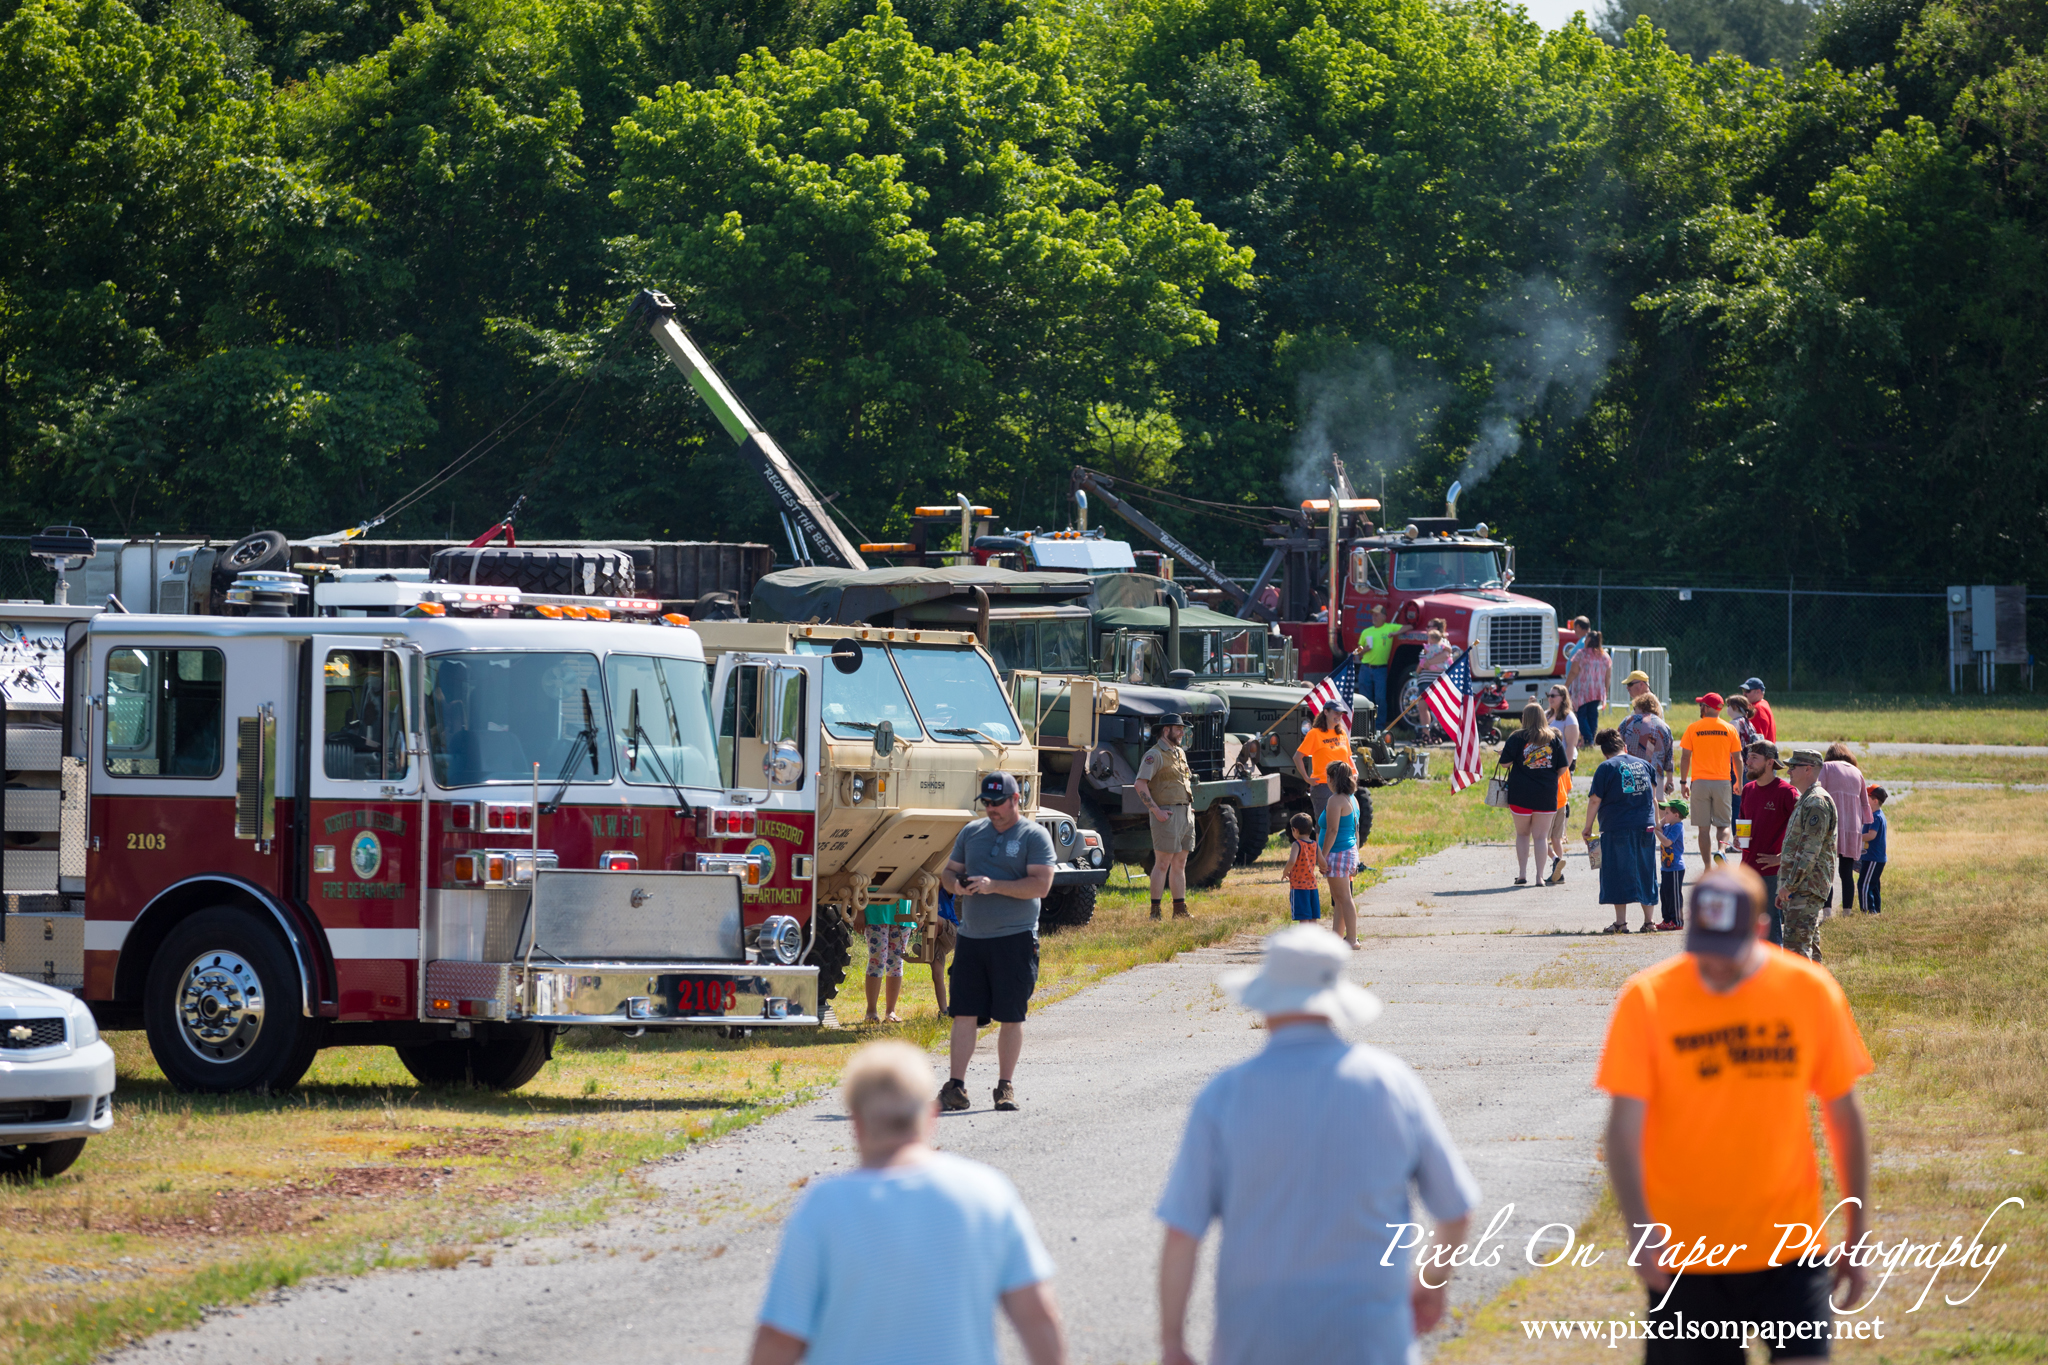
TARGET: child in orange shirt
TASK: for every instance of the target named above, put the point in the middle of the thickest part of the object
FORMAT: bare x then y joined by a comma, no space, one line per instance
1302,866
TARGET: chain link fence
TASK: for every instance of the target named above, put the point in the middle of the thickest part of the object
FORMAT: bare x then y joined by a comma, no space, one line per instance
1797,639
24,578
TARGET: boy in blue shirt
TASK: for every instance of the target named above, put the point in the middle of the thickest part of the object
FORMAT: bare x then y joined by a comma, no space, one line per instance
1671,859
1871,865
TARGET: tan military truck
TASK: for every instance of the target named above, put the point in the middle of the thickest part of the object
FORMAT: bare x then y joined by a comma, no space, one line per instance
912,720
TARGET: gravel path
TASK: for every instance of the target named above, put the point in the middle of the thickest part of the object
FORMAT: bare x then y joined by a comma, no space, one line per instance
1501,1015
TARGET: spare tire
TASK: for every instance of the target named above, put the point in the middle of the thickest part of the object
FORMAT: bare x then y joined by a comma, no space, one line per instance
556,572
264,552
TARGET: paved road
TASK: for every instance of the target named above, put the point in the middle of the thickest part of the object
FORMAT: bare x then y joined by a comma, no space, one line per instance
1502,1017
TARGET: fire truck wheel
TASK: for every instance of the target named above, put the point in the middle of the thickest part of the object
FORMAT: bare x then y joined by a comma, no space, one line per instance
831,951
28,1160
1216,843
1066,907
221,1006
508,1058
1254,831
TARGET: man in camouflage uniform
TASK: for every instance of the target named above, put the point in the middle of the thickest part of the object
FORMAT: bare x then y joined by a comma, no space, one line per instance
1806,864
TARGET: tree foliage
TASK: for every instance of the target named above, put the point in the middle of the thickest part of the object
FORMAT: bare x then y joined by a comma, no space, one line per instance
300,262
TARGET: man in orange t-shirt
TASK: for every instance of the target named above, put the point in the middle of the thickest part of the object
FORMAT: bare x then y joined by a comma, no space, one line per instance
1709,762
1709,1060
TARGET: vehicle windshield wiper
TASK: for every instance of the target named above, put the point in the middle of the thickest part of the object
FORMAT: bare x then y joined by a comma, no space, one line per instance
636,734
866,725
586,738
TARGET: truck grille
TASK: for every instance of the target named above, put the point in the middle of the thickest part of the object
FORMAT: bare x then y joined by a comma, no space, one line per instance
21,1034
1515,640
1205,746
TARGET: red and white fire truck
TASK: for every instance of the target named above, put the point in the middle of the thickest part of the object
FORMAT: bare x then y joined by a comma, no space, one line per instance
452,820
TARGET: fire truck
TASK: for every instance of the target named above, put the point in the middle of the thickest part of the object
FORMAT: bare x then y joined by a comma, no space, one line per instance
449,819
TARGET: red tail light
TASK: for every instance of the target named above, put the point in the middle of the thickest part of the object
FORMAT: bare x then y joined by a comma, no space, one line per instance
618,861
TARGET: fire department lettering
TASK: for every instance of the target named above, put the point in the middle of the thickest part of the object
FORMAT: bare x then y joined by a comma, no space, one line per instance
776,829
362,891
365,819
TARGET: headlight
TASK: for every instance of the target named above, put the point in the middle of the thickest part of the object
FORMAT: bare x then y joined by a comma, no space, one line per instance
860,790
85,1030
1066,831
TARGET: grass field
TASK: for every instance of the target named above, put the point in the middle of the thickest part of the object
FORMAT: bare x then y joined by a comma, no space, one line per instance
195,1200
1948,992
2002,718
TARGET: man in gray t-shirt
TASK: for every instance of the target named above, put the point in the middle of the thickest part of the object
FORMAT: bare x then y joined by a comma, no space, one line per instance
999,869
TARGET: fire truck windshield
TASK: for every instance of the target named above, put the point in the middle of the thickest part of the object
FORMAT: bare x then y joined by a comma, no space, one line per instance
1435,570
957,694
661,721
492,715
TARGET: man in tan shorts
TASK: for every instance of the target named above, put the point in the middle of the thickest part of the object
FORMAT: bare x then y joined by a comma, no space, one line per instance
1167,787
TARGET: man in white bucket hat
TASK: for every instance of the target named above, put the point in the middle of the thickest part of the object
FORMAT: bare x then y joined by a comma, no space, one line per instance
1307,1153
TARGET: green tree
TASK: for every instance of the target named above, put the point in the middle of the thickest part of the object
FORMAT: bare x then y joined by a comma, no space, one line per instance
1761,32
897,254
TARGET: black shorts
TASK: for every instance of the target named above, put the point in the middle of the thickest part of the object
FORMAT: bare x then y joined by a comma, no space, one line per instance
992,978
1789,1302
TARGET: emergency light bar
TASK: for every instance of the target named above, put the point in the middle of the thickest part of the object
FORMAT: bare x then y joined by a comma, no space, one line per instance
1343,504
439,599
501,866
948,513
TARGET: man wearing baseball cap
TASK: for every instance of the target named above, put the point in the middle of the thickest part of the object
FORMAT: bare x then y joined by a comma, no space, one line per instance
1709,1060
1760,710
1767,804
1306,1271
1001,866
1637,683
1712,748
1806,860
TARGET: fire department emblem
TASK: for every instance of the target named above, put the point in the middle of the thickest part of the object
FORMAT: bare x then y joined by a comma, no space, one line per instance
764,852
366,855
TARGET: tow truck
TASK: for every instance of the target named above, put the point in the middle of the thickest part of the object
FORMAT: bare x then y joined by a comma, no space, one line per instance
448,819
1430,569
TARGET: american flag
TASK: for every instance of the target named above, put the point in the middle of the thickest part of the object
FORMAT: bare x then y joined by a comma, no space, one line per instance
1337,688
1449,699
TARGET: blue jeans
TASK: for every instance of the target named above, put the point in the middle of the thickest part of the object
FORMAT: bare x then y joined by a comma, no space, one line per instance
1375,678
1589,723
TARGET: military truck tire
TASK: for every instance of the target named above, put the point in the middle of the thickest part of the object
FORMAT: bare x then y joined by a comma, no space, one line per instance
509,1057
222,1008
831,952
1254,832
1364,799
1066,907
559,573
1216,844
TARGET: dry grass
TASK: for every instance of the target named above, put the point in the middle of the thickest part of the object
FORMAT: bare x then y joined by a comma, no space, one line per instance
1947,988
2008,718
1953,768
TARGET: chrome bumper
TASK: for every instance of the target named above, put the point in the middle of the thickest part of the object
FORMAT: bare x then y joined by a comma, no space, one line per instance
625,994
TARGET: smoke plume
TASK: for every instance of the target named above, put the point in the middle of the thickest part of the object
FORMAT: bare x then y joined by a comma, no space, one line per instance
1540,344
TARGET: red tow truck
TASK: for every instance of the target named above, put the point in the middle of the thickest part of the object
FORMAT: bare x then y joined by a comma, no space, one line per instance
449,819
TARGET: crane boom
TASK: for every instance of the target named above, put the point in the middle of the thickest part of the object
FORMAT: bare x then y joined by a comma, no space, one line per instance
794,499
1093,483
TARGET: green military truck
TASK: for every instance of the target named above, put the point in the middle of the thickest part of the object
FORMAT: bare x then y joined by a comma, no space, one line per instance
1042,635
1251,670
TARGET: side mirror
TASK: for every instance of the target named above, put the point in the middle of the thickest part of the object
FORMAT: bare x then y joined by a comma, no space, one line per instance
885,738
